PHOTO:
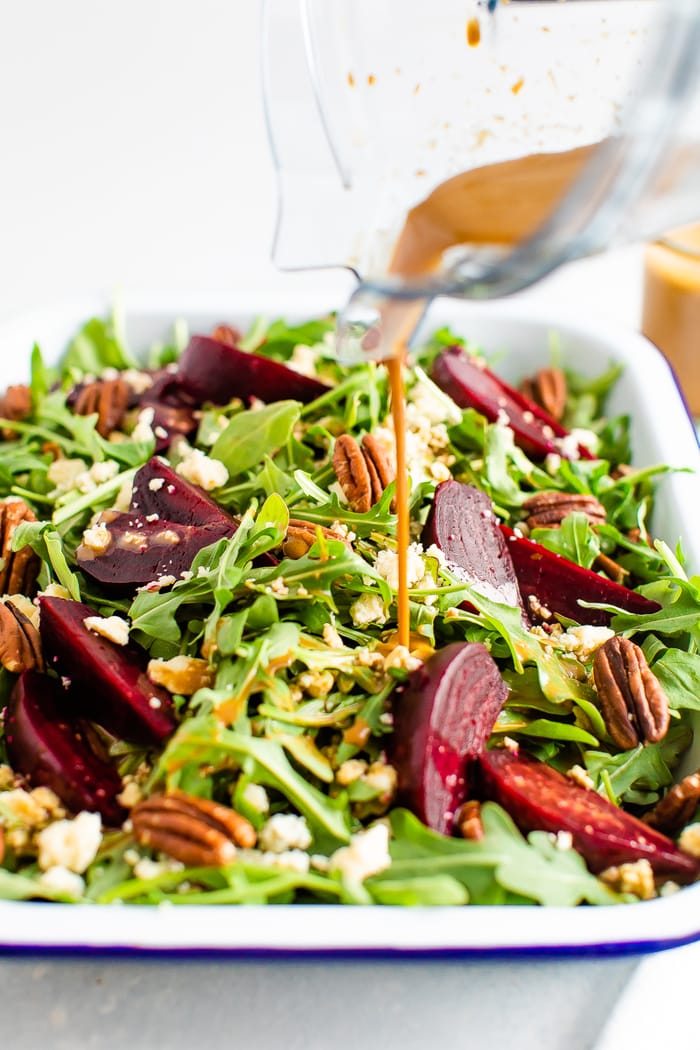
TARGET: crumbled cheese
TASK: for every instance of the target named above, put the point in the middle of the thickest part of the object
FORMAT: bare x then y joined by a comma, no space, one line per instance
202,470
368,608
552,463
351,770
584,640
70,844
367,854
331,636
387,565
382,778
139,382
62,880
580,776
256,797
181,674
690,840
145,868
123,500
131,794
304,360
401,658
55,590
143,431
156,484
432,403
7,777
343,531
439,471
278,586
636,877
63,473
34,808
284,831
113,628
105,471
537,608
290,859
97,537
316,683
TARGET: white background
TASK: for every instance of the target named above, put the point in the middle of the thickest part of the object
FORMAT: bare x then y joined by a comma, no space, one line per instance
133,156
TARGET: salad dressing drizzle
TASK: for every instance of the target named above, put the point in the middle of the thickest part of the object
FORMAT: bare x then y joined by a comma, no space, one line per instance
499,204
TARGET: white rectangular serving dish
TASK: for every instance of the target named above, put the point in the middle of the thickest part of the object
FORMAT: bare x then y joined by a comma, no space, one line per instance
662,432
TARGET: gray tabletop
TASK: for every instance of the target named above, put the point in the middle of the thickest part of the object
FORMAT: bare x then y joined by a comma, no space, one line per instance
110,1003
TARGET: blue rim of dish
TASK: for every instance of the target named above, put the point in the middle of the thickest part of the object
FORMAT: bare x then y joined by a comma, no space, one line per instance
614,949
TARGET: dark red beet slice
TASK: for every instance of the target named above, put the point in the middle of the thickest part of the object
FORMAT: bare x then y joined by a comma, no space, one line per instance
170,421
158,489
108,682
472,386
558,583
141,551
462,524
46,747
539,798
442,721
211,371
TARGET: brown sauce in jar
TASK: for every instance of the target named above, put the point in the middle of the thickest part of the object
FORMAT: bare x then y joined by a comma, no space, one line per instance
671,306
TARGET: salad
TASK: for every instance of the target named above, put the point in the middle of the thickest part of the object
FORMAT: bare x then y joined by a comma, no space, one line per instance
204,698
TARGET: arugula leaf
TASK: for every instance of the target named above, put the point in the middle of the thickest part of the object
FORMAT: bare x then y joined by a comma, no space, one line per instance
278,339
679,675
534,868
205,741
638,775
254,434
96,346
575,539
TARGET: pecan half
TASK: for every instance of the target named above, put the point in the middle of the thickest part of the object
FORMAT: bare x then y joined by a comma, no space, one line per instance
226,334
363,471
380,471
19,569
677,807
547,388
195,831
550,508
15,404
20,645
108,399
611,568
301,536
467,822
632,701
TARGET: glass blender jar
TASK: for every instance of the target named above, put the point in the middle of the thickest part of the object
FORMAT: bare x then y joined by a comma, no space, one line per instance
374,105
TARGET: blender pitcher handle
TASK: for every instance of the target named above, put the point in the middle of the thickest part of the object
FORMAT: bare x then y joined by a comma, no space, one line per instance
312,184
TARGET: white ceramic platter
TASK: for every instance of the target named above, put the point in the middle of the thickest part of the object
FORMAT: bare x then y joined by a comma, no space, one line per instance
662,432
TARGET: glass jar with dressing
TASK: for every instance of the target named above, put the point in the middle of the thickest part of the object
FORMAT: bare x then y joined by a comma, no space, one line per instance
671,305
489,141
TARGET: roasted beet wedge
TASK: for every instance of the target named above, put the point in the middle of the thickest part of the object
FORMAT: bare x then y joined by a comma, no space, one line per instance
46,747
472,386
539,798
461,523
108,682
442,721
137,551
158,489
170,421
558,583
212,371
